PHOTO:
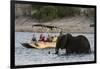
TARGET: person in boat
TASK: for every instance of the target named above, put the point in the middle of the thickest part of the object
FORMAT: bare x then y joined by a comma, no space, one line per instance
42,38
49,38
54,39
34,38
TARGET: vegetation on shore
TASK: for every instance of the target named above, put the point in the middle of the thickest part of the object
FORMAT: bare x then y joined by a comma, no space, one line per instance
47,13
70,18
44,13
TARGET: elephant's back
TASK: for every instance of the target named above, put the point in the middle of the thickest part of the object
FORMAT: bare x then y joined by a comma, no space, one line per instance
79,44
84,40
84,43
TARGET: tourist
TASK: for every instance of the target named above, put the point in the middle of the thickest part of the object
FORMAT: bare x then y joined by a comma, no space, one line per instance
34,38
48,38
42,38
54,38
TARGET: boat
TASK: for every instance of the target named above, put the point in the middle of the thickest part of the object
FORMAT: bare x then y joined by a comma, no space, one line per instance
39,45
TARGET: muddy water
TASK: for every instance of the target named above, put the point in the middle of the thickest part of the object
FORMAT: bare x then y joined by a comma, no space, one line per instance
25,56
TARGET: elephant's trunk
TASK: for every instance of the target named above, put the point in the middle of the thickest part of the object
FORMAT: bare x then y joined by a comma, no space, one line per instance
56,51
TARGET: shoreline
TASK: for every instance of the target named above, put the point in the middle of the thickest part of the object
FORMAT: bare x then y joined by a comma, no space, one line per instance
71,24
58,32
29,29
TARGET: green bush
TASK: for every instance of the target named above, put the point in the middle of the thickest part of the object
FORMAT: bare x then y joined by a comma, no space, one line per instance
91,12
47,13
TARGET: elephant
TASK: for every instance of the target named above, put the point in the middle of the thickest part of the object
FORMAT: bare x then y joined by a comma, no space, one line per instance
73,44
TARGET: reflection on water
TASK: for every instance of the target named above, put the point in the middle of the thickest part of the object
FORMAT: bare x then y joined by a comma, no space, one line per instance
25,56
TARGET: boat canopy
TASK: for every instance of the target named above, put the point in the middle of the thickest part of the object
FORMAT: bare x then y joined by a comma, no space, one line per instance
47,26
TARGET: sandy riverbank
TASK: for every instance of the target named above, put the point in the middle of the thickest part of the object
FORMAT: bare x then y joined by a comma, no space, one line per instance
72,24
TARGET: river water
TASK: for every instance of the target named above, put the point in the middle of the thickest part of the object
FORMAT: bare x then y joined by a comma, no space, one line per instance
26,56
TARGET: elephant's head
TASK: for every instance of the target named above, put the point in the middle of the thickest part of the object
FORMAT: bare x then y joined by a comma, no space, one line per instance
62,42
